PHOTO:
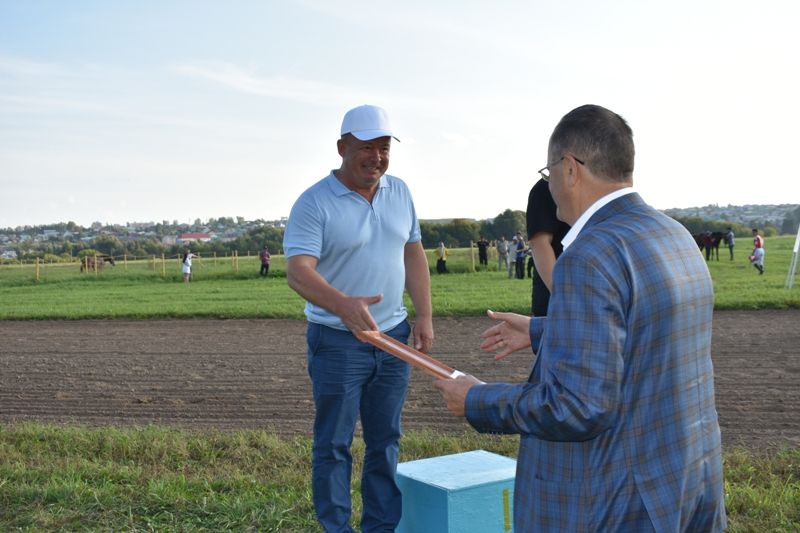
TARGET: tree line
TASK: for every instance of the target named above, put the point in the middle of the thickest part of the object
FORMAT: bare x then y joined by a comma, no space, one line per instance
455,233
66,250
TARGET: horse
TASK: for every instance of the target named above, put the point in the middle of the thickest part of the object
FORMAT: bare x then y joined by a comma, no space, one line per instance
710,242
88,262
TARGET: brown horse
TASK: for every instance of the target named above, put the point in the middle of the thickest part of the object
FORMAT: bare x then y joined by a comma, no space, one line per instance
88,262
710,243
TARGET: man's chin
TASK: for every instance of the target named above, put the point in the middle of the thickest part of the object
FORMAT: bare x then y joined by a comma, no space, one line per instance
371,180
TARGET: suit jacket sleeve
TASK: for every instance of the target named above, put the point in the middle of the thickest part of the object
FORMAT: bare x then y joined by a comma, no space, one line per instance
536,331
573,393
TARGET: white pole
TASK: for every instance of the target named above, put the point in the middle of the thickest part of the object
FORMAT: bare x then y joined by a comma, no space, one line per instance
793,263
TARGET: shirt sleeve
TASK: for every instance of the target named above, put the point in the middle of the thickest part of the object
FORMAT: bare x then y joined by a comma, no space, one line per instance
541,212
304,229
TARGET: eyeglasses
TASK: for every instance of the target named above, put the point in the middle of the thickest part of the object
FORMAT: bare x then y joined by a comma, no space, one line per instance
545,172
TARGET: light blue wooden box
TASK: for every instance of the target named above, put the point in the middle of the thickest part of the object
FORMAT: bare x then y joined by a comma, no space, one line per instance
461,493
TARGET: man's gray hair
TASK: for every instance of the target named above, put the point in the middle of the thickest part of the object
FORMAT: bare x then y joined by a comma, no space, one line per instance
598,137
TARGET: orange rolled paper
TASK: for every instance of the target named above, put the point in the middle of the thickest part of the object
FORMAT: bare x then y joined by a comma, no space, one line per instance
408,354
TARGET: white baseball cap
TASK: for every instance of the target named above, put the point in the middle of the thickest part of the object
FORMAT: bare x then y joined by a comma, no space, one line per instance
367,122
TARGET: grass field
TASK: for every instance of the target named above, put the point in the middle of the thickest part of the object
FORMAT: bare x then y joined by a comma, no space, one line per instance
147,288
157,479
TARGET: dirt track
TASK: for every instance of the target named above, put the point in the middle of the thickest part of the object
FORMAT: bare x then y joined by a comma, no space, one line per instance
252,373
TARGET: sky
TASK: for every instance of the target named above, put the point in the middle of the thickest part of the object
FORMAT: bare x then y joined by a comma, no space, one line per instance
135,111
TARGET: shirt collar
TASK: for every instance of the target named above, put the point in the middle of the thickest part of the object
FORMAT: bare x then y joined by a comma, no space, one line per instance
340,189
572,234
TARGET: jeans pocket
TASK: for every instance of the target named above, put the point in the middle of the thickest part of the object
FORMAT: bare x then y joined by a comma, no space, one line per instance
313,340
401,331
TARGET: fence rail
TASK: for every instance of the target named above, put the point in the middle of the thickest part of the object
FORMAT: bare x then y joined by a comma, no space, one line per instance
162,265
246,263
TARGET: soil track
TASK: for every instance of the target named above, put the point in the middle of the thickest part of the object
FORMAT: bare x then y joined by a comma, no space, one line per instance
230,374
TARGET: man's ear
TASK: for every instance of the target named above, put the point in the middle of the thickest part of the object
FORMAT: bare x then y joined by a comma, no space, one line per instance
341,145
571,174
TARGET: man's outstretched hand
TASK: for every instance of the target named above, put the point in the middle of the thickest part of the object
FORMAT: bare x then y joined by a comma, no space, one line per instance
510,335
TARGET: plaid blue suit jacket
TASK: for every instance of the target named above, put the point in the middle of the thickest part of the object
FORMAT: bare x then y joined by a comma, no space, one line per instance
618,424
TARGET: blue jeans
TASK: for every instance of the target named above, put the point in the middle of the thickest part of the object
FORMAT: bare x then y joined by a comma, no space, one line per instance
350,378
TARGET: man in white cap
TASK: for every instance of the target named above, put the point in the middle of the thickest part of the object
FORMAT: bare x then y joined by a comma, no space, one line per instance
353,245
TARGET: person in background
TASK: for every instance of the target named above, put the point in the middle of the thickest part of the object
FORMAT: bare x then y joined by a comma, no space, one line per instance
186,265
353,246
708,243
502,254
545,233
512,256
520,256
618,422
441,258
730,240
483,251
529,262
264,256
757,257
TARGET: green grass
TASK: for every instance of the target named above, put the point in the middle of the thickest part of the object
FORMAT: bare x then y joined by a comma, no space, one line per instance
737,284
141,289
762,490
157,479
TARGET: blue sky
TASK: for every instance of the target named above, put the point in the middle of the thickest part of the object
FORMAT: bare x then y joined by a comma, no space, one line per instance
122,111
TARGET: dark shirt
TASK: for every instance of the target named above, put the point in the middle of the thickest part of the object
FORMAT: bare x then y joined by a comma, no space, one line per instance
520,250
541,216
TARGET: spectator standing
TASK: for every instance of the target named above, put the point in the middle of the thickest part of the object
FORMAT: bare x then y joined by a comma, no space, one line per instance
730,240
265,258
502,254
520,256
186,265
512,256
483,251
441,258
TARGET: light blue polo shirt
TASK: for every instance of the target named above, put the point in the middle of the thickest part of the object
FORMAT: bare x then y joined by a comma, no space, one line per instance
359,246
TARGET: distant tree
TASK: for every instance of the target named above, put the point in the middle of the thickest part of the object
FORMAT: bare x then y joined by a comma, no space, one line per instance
266,235
460,232
697,225
147,247
108,244
87,252
769,230
694,225
66,248
53,258
486,228
790,222
508,223
430,234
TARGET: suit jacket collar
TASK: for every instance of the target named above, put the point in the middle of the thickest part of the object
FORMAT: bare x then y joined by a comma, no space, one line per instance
615,207
590,213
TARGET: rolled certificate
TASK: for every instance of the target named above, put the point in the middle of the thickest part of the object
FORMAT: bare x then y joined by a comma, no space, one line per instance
408,354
